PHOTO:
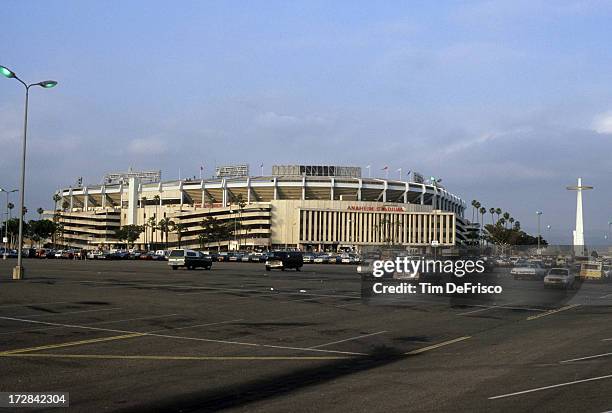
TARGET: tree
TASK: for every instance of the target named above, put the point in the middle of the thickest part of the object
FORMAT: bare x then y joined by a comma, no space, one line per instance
474,207
151,223
129,233
41,230
492,212
40,212
164,226
10,206
56,199
498,211
65,205
179,228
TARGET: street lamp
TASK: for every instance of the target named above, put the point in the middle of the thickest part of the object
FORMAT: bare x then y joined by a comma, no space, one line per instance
6,222
18,271
539,214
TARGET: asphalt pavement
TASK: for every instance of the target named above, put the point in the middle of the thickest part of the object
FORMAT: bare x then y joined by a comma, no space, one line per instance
137,336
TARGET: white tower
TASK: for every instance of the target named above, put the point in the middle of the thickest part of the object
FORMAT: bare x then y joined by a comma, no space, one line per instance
579,231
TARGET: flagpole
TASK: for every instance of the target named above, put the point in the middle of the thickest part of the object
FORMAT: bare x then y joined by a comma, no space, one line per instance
400,171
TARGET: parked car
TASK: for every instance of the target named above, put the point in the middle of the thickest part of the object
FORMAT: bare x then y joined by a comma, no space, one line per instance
559,277
528,271
284,259
321,259
308,257
189,259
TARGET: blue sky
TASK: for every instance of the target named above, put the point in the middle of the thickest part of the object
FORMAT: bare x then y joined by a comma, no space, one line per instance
507,101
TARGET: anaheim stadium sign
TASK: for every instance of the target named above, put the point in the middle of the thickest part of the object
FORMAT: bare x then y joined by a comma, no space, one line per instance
376,208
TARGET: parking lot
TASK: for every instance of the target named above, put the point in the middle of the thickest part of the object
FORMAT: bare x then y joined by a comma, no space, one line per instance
137,336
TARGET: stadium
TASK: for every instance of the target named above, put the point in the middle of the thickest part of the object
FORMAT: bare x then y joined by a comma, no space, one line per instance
317,208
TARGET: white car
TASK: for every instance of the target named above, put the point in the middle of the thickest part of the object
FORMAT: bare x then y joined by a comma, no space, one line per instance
559,277
528,271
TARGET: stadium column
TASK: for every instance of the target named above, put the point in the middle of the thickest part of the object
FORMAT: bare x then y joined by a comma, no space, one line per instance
406,193
161,193
71,200
203,189
248,190
331,192
132,211
359,189
423,191
275,188
103,193
224,192
385,191
85,199
181,194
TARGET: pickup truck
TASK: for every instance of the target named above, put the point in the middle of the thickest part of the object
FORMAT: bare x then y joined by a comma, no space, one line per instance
189,259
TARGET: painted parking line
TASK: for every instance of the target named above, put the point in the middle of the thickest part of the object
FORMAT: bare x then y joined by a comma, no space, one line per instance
587,357
606,296
174,358
480,310
349,339
569,383
183,337
69,344
551,312
435,346
88,324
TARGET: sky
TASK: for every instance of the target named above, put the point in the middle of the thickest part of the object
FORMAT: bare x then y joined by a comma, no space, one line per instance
508,102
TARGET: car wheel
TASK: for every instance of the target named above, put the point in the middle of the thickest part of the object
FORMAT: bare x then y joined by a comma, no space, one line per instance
174,267
298,269
267,268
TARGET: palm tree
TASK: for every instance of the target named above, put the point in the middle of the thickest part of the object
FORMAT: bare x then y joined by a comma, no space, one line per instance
492,212
498,211
517,225
511,220
164,226
156,198
40,212
474,208
151,224
482,211
56,199
10,206
179,228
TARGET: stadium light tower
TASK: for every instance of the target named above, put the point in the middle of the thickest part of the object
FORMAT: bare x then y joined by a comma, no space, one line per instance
18,271
579,231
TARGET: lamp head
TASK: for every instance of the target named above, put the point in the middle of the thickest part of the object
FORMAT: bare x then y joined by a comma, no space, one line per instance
6,72
47,84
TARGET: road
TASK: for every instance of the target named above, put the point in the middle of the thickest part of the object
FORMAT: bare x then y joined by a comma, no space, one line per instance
137,336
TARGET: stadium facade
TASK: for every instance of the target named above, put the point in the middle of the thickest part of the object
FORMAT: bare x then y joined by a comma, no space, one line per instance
316,210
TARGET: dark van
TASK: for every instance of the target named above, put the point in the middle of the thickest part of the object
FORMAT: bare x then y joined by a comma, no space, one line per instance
284,259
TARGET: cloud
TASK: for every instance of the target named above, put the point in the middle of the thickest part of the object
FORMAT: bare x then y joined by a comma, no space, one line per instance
603,123
275,120
147,146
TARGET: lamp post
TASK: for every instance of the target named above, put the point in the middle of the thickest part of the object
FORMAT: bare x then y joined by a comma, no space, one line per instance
18,271
5,255
539,214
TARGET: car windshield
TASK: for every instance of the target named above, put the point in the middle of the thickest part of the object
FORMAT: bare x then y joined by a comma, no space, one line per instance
558,272
177,253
